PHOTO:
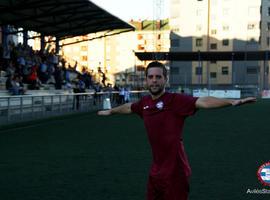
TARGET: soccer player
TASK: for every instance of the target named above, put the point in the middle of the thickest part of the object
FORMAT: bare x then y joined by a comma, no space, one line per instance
164,115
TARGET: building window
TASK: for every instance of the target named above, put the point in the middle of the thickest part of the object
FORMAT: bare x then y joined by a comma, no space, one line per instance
226,11
214,31
198,71
213,46
83,48
225,42
268,41
268,26
198,27
268,11
140,47
139,36
251,26
225,27
252,70
175,43
174,70
213,61
199,12
213,74
253,11
199,42
84,58
224,70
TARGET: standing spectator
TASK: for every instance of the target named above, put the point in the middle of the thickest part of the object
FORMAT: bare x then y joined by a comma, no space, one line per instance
127,95
58,76
79,88
116,95
10,70
97,97
43,73
7,47
122,95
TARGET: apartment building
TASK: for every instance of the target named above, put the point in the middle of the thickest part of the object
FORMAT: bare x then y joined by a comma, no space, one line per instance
115,55
219,25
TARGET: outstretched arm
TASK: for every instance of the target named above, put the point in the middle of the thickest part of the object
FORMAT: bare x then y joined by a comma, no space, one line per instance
212,102
123,109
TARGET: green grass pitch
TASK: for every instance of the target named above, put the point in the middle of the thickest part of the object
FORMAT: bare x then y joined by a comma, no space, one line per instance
88,157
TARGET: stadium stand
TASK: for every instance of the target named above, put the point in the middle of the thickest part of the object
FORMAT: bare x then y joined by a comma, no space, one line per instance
41,83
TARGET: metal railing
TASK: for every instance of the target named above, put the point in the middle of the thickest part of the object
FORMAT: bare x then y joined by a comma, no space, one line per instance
30,107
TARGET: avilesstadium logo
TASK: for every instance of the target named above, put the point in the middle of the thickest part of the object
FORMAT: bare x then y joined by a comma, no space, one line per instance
264,174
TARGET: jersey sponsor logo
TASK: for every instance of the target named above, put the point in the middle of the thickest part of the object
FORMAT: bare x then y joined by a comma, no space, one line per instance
264,174
145,107
160,105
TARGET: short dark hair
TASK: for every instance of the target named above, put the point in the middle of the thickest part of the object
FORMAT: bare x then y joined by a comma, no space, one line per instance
158,65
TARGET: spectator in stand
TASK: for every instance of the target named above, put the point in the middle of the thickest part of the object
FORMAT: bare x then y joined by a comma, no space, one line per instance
66,77
58,76
43,72
97,97
86,78
9,82
32,79
53,57
1,59
7,48
14,85
10,70
46,70
127,95
19,69
63,62
81,84
116,95
26,71
122,95
79,88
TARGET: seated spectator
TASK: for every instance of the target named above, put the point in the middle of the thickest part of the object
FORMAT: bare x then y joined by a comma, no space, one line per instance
14,85
9,82
32,79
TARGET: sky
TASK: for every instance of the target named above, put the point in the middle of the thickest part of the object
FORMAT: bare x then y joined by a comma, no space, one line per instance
134,9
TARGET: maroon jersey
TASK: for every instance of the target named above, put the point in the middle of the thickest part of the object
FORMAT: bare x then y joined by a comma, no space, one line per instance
164,119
